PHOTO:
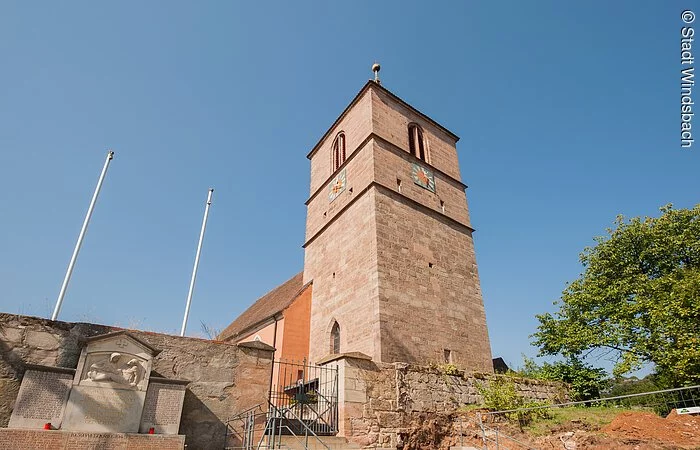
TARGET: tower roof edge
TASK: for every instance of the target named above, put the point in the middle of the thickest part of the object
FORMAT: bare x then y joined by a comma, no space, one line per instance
372,84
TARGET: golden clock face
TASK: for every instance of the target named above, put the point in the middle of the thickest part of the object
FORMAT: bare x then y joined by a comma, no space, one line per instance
423,177
336,186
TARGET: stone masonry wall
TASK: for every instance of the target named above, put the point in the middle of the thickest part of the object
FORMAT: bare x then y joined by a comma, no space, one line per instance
390,120
382,401
393,163
427,267
359,174
356,124
224,379
340,264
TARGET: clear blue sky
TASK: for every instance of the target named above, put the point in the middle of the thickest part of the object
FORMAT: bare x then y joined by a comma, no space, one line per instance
568,115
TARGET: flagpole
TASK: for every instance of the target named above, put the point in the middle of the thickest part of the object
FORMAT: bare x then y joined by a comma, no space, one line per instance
71,264
196,263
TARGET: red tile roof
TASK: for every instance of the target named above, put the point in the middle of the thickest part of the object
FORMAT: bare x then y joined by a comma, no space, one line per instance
275,301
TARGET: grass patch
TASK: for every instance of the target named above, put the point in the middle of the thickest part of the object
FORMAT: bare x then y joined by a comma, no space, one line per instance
591,418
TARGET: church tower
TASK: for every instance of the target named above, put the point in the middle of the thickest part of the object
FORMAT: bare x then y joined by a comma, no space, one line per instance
388,244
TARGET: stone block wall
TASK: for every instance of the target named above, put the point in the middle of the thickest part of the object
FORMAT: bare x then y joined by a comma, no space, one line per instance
15,439
321,211
429,291
392,163
356,123
224,379
381,401
390,119
345,288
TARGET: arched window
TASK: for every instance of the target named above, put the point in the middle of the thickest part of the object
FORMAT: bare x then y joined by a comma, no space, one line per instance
416,143
338,151
335,338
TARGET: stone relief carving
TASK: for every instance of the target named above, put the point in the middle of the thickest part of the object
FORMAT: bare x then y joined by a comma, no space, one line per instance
112,369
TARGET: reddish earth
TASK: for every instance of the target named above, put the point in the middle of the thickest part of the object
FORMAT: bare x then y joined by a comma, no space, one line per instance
631,431
628,431
681,431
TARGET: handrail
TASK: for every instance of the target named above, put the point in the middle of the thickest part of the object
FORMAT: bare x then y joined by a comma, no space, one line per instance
242,416
238,416
298,419
319,416
498,434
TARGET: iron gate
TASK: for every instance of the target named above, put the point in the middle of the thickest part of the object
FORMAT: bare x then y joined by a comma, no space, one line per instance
309,393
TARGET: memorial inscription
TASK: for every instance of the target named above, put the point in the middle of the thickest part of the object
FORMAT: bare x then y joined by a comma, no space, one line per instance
96,441
163,408
99,409
41,399
106,407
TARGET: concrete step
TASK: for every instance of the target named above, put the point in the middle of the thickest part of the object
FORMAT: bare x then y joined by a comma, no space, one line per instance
332,442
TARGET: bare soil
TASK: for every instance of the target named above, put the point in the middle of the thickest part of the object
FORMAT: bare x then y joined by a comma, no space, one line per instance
637,430
677,431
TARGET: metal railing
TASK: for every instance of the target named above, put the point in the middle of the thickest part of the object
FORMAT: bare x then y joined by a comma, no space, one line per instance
309,391
302,404
661,402
257,429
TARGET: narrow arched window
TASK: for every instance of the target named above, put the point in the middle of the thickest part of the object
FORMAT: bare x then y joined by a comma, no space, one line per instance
335,338
416,143
338,151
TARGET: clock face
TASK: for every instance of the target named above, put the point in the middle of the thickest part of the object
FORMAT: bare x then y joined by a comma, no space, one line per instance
336,186
423,177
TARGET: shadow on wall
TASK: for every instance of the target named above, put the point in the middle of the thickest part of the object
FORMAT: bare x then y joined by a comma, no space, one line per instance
202,428
11,369
394,349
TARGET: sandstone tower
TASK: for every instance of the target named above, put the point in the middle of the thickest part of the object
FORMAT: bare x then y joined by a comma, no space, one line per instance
388,244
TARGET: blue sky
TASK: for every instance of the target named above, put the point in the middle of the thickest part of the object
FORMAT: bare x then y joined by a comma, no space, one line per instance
568,115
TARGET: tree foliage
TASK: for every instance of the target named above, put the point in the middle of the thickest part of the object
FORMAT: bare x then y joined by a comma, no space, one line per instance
586,382
632,385
638,298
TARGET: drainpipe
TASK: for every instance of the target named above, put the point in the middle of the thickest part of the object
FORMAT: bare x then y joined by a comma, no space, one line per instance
272,371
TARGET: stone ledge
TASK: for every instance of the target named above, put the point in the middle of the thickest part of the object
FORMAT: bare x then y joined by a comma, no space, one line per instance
163,380
338,356
22,439
49,368
257,345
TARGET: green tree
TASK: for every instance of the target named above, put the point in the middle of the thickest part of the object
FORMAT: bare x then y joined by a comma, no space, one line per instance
586,382
638,299
632,385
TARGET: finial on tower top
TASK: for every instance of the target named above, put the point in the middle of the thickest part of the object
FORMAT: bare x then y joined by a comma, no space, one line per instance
375,68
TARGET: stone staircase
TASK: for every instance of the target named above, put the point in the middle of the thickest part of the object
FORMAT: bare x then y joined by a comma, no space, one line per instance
332,442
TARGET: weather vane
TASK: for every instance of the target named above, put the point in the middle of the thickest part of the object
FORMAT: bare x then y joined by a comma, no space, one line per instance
375,68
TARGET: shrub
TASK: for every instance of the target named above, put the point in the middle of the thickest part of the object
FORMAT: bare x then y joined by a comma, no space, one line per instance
449,369
500,394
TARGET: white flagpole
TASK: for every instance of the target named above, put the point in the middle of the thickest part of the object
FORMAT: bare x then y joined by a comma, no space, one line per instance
69,272
196,263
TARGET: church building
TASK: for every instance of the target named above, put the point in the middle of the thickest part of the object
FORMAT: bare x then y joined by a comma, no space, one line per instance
389,264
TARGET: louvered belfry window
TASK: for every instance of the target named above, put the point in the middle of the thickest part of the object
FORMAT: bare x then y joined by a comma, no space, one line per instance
338,151
416,143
